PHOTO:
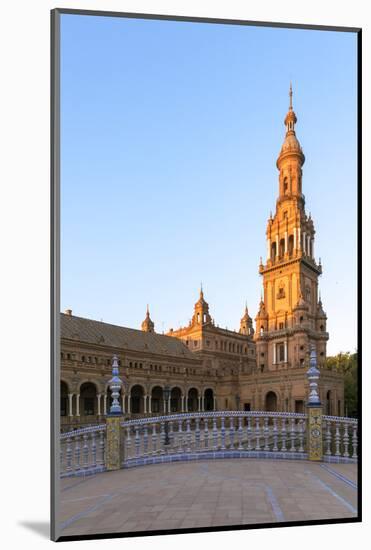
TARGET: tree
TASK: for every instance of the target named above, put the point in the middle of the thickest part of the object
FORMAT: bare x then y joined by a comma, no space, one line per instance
347,364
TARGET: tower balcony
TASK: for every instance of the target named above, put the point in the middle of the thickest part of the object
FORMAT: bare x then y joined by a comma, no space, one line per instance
287,258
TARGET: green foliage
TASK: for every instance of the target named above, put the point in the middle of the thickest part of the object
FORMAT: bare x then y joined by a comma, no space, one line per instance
347,363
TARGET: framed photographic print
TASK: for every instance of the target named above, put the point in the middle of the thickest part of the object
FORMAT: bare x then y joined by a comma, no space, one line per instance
205,275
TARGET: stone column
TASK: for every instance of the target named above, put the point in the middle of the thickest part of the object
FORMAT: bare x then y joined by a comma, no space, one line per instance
98,403
150,404
308,245
215,405
70,397
113,454
105,404
286,247
129,404
312,241
77,404
268,249
304,243
182,402
202,402
314,407
294,238
299,238
145,404
285,351
123,402
186,403
199,403
274,353
277,247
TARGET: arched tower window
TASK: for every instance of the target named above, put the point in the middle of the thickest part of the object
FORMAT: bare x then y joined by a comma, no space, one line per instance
285,186
273,252
291,245
282,248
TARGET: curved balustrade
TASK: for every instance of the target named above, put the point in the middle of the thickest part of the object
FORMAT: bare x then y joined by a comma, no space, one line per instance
82,452
222,434
340,438
207,435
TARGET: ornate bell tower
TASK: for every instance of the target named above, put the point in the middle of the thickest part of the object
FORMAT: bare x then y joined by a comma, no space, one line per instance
290,315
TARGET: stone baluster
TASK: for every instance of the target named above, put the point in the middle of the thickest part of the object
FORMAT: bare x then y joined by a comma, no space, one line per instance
154,439
215,434
249,434
337,439
231,433
283,435
328,438
301,435
162,437
128,441
93,450
189,435
354,441
222,433
137,442
275,435
77,452
206,433
68,454
266,433
346,440
240,433
171,433
257,434
62,445
85,451
145,441
101,449
292,435
197,434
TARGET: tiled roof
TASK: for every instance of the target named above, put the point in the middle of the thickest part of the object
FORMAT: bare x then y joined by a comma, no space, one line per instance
97,332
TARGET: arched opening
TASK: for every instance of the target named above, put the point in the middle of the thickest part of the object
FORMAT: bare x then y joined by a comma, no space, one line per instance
271,402
273,251
88,399
192,400
209,400
285,186
291,245
328,403
157,400
64,399
137,399
175,400
282,248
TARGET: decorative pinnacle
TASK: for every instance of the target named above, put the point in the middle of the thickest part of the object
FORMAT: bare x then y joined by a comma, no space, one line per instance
115,385
313,377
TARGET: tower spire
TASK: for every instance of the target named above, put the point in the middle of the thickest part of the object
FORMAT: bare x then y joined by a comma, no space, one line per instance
290,94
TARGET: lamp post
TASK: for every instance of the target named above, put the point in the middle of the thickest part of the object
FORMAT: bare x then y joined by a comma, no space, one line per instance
166,397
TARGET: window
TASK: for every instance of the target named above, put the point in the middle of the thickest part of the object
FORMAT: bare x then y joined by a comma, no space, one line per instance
195,343
301,319
280,326
281,352
69,356
262,354
321,327
301,348
262,367
83,358
285,187
301,362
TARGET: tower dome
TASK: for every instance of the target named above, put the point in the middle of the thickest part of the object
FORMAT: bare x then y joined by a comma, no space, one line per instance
291,146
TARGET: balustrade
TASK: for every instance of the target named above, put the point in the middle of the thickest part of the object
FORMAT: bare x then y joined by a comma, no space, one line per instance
219,434
82,452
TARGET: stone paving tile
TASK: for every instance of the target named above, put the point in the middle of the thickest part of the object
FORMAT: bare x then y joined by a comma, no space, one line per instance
225,492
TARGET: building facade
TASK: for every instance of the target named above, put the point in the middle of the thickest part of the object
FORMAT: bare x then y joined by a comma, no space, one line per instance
202,366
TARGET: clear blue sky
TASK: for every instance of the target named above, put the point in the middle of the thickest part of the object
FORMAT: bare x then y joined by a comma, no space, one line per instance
170,134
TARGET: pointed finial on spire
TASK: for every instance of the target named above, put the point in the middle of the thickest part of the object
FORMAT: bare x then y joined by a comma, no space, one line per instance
147,311
201,291
290,94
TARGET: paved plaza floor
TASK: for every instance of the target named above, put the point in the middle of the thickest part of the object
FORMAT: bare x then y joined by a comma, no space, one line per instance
210,493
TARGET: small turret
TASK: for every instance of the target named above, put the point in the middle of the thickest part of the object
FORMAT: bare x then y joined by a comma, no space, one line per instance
201,314
246,325
148,325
